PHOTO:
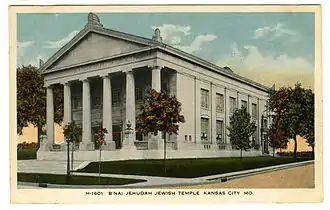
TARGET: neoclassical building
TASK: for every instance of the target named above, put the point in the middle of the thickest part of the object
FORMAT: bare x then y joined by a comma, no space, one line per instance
106,73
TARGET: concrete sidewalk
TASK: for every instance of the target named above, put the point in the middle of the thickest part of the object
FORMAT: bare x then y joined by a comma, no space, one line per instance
154,181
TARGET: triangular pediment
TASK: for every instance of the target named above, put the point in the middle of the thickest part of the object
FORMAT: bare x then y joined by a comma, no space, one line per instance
93,45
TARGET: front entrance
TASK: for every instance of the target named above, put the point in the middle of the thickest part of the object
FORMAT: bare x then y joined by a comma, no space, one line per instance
117,136
94,130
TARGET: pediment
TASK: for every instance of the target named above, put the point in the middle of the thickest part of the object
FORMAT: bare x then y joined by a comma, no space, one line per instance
94,46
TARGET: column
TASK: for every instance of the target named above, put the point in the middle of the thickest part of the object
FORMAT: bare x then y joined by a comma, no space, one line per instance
156,142
67,103
130,109
107,113
156,78
50,120
86,143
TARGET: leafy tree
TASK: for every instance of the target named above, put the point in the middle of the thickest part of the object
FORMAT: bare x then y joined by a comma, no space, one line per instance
160,113
309,128
100,140
293,107
277,136
31,99
72,134
240,130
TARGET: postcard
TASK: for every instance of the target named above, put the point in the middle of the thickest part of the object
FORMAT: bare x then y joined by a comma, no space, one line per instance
166,104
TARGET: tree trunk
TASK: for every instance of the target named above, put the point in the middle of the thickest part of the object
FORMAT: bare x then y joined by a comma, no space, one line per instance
295,147
38,136
165,153
100,167
73,144
68,163
273,152
241,154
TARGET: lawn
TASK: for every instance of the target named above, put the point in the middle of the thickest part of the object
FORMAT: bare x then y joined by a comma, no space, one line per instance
26,153
187,168
74,180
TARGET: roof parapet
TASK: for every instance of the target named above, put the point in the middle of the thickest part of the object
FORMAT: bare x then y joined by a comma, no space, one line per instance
157,36
93,20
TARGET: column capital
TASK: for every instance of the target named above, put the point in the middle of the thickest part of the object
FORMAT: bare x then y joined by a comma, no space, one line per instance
128,71
155,67
84,79
66,83
105,76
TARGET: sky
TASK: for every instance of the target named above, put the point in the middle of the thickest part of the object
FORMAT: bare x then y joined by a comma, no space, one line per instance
270,48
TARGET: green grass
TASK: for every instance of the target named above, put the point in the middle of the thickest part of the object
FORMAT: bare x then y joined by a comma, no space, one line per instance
186,168
26,154
74,180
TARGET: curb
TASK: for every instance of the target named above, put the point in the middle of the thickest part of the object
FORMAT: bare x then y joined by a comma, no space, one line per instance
218,179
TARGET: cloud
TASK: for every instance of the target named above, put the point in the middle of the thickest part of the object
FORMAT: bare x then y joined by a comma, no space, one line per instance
196,45
282,70
273,32
21,50
173,33
22,46
61,42
36,61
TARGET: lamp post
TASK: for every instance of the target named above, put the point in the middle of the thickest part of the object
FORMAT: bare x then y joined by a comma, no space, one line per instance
68,160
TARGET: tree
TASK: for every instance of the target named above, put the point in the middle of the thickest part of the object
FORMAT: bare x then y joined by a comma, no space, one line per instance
160,113
277,136
72,134
293,107
309,128
31,99
240,130
99,138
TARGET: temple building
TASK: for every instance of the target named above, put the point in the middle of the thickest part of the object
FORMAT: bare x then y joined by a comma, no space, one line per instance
106,74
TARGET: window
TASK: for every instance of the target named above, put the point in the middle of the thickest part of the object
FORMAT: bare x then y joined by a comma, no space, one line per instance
138,93
220,103
219,126
255,136
116,98
165,86
204,129
265,123
185,137
96,101
232,102
204,99
254,111
244,104
189,137
76,102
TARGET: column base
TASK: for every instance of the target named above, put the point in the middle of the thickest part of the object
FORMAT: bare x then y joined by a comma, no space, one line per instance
86,146
128,143
110,146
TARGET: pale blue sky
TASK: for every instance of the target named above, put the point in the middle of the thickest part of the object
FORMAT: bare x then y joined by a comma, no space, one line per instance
250,43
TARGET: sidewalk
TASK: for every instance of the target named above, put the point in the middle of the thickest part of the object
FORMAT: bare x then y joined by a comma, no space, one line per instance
151,181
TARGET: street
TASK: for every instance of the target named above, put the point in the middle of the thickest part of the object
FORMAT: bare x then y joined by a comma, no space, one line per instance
297,177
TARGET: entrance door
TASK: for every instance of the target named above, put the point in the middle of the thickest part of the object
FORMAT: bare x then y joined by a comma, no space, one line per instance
116,136
94,130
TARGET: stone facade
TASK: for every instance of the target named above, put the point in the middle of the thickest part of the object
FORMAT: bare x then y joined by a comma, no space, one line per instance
105,75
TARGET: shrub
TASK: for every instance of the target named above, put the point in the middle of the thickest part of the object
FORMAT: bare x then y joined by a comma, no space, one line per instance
25,145
299,154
